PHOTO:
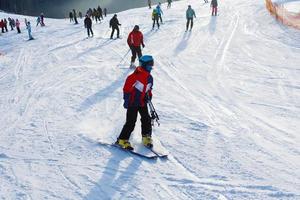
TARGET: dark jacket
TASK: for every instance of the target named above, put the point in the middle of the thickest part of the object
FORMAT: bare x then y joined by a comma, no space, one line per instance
114,22
214,3
88,22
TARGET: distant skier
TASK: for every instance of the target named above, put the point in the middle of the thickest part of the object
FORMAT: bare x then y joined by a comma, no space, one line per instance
135,40
136,92
38,20
100,12
42,19
2,25
149,4
18,26
88,25
190,14
28,26
75,16
159,12
114,24
5,25
11,23
80,14
205,1
105,12
71,17
155,18
214,5
169,3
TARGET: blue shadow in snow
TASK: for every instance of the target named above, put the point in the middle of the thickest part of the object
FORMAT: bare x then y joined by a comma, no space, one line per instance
102,94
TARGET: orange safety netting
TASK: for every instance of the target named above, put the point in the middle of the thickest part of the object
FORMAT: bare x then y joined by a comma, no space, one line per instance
283,15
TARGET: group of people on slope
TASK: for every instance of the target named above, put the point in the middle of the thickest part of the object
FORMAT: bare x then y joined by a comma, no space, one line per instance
15,24
12,23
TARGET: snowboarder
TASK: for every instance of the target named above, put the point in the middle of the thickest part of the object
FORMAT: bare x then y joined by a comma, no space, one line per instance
159,12
114,24
18,26
169,3
136,92
214,5
88,25
28,26
149,4
75,16
71,17
190,14
155,18
134,41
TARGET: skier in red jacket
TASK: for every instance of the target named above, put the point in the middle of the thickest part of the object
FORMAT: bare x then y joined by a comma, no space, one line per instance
137,91
135,40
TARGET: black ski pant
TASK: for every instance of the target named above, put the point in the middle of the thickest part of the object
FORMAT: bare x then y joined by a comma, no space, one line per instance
89,30
155,20
18,28
131,117
135,51
113,31
160,18
189,20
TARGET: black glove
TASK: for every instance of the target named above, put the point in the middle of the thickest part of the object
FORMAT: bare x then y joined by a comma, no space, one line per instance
143,45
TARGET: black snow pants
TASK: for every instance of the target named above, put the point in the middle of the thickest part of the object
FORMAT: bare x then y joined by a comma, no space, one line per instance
135,51
131,117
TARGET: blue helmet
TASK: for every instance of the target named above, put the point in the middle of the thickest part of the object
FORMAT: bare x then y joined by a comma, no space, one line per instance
146,62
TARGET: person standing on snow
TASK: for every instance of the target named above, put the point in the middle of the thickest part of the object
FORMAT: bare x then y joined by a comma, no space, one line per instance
155,18
2,25
5,25
149,4
88,25
169,3
71,17
136,92
75,16
205,1
18,26
42,19
38,20
28,26
190,14
105,12
114,24
159,12
214,5
134,41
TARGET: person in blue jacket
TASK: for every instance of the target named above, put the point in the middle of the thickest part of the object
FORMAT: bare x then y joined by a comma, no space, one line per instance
159,12
190,14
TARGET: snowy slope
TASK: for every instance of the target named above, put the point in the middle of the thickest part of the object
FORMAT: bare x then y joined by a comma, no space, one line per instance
228,94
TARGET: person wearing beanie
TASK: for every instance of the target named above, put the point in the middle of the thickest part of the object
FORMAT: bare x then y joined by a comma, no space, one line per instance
137,91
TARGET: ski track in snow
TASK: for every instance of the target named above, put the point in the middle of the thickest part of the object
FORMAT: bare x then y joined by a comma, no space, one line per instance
227,93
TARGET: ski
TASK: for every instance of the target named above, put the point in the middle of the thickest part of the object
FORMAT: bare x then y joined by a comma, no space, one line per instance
130,151
158,154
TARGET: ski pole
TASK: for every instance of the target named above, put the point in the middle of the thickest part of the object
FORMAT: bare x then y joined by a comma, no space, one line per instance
153,113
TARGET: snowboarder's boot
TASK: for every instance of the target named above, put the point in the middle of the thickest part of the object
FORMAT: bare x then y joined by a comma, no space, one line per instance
147,141
125,144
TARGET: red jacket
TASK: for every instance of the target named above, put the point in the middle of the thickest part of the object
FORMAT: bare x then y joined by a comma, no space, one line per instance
1,24
135,38
136,86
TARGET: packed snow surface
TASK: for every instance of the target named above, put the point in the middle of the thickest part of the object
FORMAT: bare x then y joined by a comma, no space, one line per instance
228,95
